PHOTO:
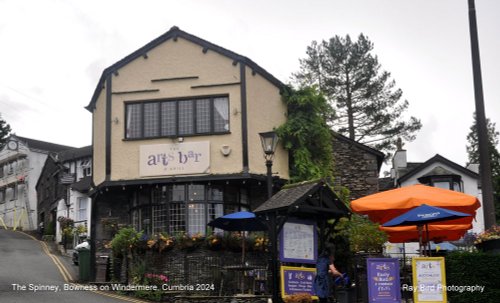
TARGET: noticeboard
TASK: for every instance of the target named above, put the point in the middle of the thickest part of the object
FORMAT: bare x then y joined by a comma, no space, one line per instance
429,279
383,280
298,242
297,280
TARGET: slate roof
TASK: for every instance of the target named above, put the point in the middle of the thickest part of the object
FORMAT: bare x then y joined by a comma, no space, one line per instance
306,197
83,185
287,196
437,159
42,145
75,153
174,33
385,184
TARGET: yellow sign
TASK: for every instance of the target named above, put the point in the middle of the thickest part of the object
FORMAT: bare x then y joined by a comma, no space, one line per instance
429,280
297,280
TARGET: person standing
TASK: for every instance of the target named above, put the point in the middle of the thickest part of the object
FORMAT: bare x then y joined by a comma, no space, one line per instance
322,281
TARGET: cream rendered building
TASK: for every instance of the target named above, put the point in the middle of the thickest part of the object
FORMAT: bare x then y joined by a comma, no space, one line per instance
176,136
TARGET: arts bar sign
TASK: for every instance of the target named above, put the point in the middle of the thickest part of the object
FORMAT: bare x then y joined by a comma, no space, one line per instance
174,159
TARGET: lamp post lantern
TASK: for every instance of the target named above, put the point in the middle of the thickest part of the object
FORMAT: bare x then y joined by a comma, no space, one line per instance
269,142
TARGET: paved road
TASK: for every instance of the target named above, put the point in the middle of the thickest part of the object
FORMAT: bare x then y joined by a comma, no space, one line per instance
28,273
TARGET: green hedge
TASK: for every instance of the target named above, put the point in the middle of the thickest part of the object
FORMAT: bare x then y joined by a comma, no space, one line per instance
471,269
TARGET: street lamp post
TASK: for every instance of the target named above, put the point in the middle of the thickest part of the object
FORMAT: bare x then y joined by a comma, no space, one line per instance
269,142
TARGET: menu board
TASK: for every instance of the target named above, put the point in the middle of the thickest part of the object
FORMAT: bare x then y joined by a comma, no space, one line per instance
429,279
298,240
297,280
383,280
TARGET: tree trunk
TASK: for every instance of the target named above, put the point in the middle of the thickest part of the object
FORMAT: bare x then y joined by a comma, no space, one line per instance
350,114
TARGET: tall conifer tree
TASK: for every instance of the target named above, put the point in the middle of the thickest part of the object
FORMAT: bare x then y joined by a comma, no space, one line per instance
368,105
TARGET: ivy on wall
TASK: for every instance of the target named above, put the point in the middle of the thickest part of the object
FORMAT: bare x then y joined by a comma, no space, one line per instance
306,134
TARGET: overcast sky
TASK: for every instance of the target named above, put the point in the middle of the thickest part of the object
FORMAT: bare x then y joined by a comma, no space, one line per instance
54,51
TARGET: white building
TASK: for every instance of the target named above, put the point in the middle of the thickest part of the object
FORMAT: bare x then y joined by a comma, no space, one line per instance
21,162
439,172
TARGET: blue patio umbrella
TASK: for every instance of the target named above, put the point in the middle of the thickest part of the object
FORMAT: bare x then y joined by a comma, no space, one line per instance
423,215
239,221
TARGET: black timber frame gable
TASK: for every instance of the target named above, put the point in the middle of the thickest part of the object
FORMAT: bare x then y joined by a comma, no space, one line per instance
105,83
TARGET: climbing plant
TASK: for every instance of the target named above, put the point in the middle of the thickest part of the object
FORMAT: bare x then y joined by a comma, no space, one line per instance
306,134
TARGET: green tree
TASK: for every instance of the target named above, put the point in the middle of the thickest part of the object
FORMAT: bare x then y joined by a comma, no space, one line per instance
306,134
473,155
368,105
4,131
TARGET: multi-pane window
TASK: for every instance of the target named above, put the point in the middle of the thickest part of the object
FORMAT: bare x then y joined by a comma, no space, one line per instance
185,207
82,208
177,118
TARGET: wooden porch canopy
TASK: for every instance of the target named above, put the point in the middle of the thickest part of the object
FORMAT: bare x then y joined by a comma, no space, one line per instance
311,200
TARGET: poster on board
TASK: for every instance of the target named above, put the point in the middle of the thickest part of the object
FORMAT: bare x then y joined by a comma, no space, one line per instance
297,280
429,279
298,242
383,280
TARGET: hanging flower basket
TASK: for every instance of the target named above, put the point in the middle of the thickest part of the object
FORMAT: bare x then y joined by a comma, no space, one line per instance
214,242
161,243
190,242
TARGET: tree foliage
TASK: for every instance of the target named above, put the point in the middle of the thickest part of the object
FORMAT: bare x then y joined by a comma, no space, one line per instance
4,131
363,235
306,134
368,105
473,145
494,155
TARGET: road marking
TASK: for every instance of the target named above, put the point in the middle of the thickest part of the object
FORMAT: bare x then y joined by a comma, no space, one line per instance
69,279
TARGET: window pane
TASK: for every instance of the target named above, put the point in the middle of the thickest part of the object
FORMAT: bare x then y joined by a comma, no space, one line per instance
203,116
186,126
445,185
221,115
134,121
168,122
215,210
197,221
159,218
151,123
196,192
177,193
215,194
82,209
177,218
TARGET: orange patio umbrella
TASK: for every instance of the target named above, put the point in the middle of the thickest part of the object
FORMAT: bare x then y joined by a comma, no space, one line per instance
436,233
384,206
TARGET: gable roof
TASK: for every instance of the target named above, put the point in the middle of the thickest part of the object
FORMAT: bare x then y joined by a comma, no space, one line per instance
42,145
380,155
313,198
437,159
175,33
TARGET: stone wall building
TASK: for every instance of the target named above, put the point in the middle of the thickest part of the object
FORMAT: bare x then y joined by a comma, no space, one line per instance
357,166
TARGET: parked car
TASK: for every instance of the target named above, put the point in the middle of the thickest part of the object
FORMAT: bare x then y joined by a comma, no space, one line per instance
84,245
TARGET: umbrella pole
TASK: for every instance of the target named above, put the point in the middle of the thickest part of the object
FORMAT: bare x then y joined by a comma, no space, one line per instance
420,246
428,240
